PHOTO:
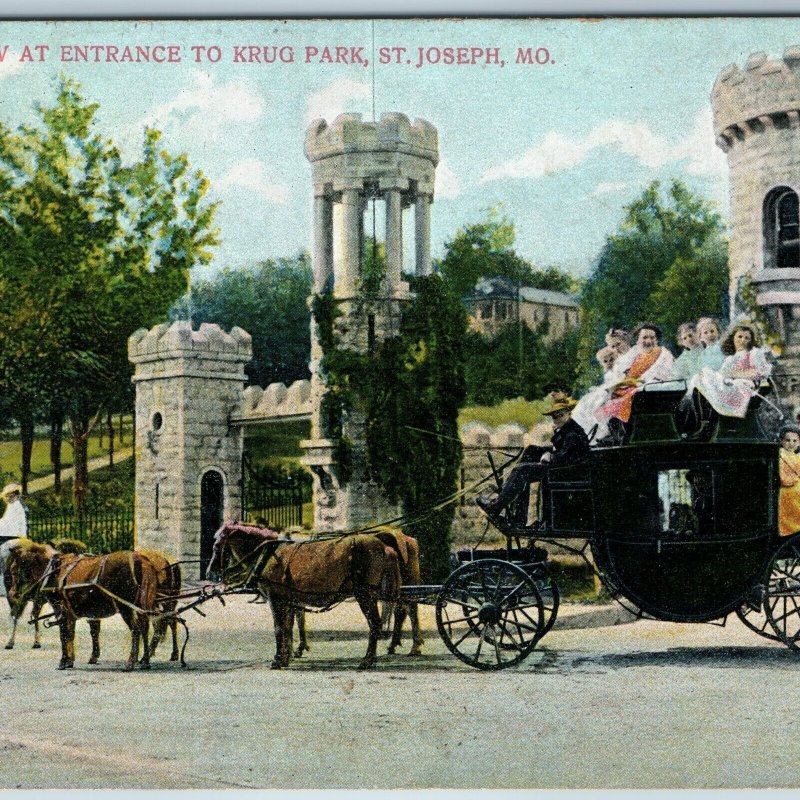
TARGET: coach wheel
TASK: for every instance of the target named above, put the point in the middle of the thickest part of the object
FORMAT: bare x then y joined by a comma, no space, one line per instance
757,620
782,594
490,614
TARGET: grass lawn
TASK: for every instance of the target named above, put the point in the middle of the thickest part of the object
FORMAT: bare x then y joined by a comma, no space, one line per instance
526,413
11,450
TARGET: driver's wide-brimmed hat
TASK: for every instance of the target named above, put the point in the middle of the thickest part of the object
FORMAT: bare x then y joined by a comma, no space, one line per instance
11,488
559,401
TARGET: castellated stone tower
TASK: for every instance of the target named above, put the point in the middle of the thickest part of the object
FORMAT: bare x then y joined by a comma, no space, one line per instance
393,161
188,458
757,123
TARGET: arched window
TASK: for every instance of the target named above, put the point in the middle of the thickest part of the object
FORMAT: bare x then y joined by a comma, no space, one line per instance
781,229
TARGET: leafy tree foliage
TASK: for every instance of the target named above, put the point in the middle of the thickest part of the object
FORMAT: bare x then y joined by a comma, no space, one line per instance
90,250
485,249
667,263
409,391
271,303
519,363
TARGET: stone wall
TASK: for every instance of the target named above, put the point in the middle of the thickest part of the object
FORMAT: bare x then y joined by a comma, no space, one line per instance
470,522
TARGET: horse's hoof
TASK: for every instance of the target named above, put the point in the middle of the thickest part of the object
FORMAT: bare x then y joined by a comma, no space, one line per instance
415,651
92,660
173,657
65,665
128,667
276,665
9,646
366,664
390,650
36,646
144,665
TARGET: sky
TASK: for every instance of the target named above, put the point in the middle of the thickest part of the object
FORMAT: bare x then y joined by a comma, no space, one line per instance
559,147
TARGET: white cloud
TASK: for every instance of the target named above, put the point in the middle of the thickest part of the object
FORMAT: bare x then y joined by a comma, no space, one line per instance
337,98
557,152
447,183
205,110
10,63
252,174
607,187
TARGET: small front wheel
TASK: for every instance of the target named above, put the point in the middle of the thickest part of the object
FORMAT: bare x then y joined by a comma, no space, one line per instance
490,614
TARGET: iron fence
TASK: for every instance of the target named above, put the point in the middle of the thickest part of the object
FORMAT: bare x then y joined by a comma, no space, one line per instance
274,499
101,530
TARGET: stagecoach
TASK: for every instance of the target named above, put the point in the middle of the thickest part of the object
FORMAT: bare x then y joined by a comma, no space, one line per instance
680,525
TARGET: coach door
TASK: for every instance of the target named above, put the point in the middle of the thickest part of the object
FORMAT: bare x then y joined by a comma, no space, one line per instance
212,504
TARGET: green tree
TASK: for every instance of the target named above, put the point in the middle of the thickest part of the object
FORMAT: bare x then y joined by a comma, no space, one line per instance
98,248
270,302
667,262
485,249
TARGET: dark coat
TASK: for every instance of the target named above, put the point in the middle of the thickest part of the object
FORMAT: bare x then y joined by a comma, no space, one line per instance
570,444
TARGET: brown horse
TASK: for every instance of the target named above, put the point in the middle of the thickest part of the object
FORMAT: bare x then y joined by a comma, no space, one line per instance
316,574
21,585
126,582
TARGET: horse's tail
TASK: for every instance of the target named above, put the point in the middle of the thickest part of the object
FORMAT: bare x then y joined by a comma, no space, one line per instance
392,579
148,583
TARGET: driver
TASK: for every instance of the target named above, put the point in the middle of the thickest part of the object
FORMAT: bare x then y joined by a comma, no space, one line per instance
569,445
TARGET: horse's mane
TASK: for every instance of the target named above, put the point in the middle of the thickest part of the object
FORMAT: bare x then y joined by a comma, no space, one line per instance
249,530
23,545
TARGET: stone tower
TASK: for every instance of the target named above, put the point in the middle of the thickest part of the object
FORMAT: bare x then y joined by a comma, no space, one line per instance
393,161
757,124
188,457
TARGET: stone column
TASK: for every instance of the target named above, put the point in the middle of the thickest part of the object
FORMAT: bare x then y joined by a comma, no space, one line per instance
323,244
394,239
422,219
348,270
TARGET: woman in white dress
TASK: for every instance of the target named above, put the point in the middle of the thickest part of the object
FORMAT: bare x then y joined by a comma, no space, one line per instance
729,389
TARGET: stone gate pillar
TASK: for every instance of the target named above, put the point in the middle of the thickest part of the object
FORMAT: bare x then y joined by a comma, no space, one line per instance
188,385
391,161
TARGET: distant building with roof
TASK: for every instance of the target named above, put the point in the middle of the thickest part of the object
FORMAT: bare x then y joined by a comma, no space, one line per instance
495,303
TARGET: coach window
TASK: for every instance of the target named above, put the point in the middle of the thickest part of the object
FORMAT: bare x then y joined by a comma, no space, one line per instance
781,229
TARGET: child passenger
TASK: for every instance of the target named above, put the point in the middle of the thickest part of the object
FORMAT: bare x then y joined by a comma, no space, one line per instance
789,468
708,331
690,361
588,405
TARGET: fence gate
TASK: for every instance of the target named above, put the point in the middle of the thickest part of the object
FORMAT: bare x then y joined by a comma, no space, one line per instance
271,498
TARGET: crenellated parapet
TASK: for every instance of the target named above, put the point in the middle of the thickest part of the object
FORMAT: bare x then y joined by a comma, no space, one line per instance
277,402
762,96
178,341
394,137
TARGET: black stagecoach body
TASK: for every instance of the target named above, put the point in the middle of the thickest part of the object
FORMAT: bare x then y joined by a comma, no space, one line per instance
681,522
682,530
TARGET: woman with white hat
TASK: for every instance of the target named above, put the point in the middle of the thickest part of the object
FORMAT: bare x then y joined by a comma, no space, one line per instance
14,522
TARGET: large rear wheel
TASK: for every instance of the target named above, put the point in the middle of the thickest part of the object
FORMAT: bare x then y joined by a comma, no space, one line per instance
782,592
490,614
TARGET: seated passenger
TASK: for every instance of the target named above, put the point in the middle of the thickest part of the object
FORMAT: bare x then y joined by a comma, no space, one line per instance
729,390
619,340
789,469
647,362
709,333
690,361
569,446
595,397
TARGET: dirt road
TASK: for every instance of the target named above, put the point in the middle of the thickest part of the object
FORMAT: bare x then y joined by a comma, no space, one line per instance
636,705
